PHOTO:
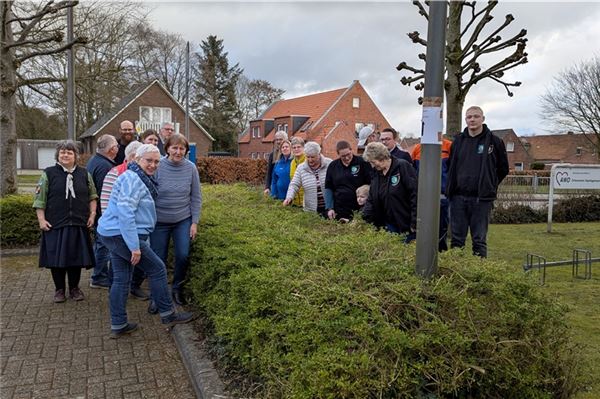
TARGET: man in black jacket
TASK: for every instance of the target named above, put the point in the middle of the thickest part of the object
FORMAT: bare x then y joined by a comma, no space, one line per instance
478,163
98,166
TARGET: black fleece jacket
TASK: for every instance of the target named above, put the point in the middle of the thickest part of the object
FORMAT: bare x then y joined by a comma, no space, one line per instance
393,197
477,165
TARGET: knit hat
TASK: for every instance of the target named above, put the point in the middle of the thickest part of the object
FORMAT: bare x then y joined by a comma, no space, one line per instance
363,135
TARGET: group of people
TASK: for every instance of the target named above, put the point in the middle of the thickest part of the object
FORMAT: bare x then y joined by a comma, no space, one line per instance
137,196
382,184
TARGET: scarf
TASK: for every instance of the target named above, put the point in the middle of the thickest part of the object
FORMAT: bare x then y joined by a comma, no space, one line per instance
69,184
149,181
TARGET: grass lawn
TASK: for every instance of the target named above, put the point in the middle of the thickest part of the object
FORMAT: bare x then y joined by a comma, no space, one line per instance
512,242
28,179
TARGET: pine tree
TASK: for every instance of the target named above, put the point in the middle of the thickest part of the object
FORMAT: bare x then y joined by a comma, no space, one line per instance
215,103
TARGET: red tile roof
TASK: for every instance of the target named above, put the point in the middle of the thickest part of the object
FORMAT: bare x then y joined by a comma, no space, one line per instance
312,105
561,148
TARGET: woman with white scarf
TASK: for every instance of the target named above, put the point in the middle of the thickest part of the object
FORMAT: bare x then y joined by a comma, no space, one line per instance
65,203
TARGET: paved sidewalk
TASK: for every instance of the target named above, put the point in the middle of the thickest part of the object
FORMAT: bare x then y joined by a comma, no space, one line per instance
63,350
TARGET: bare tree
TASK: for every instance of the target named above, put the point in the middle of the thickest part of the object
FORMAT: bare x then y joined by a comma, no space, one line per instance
572,102
253,98
465,44
28,31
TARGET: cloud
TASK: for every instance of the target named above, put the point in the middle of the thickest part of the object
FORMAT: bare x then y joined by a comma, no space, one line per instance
306,47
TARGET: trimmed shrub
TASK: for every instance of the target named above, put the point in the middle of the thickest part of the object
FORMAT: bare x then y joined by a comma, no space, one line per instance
517,214
18,222
309,308
217,170
577,209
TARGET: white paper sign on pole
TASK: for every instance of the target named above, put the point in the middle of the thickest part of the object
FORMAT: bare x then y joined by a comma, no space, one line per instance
433,124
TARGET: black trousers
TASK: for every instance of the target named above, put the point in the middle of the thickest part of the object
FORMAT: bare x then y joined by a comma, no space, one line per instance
59,274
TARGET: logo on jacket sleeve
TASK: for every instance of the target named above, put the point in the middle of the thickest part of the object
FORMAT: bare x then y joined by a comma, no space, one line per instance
395,180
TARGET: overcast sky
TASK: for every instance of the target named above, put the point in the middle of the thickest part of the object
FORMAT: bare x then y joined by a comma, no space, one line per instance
308,47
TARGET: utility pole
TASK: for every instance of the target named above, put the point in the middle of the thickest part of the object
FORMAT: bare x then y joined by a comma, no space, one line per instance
70,78
428,207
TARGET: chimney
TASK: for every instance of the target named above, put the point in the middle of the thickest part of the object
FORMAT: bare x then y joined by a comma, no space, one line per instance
570,132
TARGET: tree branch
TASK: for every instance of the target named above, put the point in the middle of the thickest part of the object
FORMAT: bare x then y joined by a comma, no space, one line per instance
506,85
481,24
37,81
422,10
404,65
416,38
407,81
79,40
474,16
49,8
58,37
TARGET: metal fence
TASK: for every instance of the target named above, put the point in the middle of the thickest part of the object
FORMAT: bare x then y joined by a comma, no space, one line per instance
532,191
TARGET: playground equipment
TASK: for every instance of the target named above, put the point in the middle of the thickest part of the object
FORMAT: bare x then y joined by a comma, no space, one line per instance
581,257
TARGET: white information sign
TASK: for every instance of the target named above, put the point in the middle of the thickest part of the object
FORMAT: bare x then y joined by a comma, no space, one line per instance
433,124
574,177
566,176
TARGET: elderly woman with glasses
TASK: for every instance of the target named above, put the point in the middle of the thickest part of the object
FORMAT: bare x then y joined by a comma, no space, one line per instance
392,201
311,176
65,203
124,228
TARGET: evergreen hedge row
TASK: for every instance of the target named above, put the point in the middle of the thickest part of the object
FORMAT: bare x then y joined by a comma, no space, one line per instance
18,222
571,210
309,308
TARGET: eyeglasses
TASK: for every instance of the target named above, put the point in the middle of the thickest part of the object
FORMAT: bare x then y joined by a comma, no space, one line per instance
151,161
169,129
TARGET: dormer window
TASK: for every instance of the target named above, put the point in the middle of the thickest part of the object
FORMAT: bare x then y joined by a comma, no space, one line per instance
510,147
356,102
578,151
256,132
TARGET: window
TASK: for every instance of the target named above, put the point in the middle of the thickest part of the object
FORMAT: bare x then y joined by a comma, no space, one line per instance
279,127
510,147
355,102
578,151
253,155
256,131
285,127
155,114
266,155
518,165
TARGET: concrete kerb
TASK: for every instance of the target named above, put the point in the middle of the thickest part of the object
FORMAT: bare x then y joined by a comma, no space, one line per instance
204,377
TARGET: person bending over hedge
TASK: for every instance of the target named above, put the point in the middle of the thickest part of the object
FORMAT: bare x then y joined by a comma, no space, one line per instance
311,176
392,201
65,203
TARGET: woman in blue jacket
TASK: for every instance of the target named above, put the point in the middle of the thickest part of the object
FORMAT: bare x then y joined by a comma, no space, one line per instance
281,172
124,229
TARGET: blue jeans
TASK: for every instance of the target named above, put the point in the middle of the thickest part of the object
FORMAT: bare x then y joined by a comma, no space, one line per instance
410,236
100,274
469,213
150,263
159,240
443,245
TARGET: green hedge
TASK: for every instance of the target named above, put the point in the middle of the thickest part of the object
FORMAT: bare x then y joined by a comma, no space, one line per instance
18,222
308,308
570,210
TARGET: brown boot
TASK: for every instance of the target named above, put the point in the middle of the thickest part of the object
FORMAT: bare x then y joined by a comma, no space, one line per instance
59,296
76,294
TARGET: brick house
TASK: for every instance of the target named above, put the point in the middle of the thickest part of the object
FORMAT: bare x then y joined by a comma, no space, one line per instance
325,118
148,107
561,148
518,156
